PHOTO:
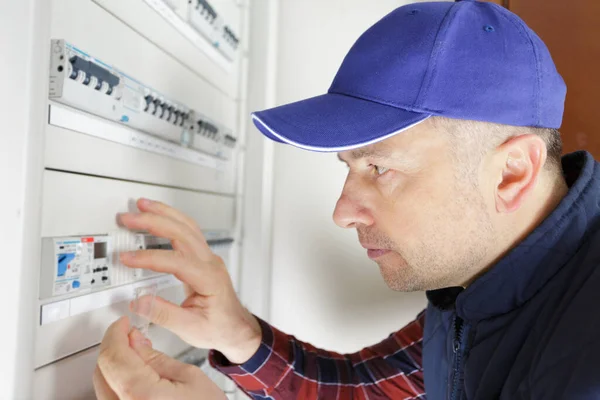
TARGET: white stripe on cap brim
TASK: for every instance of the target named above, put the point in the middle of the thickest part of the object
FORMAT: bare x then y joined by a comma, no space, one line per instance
334,149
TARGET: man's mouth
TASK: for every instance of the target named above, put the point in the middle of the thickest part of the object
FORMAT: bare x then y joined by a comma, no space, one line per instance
374,252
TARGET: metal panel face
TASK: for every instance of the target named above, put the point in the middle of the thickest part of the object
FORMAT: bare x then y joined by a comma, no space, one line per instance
81,205
80,142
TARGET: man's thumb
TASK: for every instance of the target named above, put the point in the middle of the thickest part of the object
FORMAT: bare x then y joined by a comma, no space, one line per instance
164,365
162,312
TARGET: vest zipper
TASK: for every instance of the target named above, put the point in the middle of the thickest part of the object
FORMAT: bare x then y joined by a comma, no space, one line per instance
458,337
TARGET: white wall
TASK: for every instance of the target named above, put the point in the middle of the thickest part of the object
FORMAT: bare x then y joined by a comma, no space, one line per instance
325,290
255,266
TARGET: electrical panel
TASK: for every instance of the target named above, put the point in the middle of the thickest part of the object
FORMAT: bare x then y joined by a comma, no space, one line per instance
144,102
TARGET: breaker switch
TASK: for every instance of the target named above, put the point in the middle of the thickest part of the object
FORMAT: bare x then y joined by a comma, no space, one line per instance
163,110
149,100
184,117
156,103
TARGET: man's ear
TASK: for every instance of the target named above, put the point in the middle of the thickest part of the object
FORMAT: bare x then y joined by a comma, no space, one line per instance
523,158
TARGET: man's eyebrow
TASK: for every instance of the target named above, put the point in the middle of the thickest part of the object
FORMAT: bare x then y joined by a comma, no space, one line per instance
364,153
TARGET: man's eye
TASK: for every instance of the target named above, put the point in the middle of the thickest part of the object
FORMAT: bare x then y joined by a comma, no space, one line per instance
381,170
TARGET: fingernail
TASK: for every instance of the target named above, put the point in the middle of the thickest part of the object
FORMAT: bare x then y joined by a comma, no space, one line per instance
122,216
137,336
145,202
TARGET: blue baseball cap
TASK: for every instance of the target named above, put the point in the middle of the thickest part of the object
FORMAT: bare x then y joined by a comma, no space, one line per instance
466,60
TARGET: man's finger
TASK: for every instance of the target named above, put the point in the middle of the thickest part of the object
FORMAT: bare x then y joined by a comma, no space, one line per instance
103,391
164,313
165,366
181,235
118,362
156,207
171,262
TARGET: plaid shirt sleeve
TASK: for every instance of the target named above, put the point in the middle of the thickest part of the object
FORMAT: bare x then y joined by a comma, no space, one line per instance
285,368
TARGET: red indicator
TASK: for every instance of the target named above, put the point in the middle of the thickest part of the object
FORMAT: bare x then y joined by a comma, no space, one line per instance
87,240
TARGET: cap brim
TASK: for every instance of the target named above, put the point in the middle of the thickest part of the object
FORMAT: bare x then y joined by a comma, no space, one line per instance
334,122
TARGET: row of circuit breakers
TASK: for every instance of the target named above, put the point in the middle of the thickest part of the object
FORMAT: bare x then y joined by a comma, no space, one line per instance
84,82
204,18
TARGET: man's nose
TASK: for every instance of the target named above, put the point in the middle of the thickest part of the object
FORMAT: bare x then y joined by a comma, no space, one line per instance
348,213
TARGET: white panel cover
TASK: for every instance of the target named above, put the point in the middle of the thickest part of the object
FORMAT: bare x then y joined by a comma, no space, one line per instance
81,205
71,378
67,148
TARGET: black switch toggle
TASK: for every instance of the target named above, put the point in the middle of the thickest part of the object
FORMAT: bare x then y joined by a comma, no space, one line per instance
156,105
149,100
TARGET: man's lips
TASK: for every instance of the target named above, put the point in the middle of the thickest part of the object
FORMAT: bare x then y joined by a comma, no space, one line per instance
374,252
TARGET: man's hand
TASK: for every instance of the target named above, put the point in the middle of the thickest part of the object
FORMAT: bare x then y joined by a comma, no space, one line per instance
212,315
128,368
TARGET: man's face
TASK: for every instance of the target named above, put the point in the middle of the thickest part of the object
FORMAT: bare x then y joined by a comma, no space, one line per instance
420,217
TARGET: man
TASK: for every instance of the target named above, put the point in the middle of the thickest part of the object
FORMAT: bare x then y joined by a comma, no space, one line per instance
446,115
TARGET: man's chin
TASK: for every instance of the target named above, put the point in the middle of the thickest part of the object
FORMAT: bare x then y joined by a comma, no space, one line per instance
400,281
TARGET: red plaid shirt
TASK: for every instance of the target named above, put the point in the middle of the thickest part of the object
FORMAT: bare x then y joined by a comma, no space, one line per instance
285,368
